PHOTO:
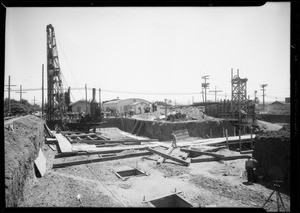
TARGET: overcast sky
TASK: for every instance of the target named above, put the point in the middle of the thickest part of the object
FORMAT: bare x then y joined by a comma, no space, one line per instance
155,52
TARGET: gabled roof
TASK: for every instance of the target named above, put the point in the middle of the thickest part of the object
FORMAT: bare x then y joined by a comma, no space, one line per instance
277,102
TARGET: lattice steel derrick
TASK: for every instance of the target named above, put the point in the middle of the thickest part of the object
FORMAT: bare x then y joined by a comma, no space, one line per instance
239,94
55,95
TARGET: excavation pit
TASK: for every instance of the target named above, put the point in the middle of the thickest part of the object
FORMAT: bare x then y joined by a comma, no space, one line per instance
172,200
129,172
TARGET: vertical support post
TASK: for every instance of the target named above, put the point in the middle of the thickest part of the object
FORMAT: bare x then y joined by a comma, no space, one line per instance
251,138
226,133
231,104
240,140
234,131
210,133
223,132
42,90
166,108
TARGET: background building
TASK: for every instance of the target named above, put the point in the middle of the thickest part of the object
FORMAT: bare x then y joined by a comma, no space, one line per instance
122,106
83,105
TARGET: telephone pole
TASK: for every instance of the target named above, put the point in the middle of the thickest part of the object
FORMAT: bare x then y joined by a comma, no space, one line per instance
20,92
85,99
255,92
42,90
9,85
215,91
263,89
205,85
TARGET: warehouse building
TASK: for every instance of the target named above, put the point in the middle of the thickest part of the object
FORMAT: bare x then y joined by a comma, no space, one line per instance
123,106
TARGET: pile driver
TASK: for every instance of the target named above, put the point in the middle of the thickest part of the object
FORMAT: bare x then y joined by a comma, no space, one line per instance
58,100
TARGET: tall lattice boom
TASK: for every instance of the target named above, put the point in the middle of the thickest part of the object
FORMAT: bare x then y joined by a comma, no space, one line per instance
56,107
238,95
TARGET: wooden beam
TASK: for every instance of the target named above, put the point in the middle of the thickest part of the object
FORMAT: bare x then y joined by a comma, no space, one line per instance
111,141
194,151
104,150
168,156
162,159
81,135
73,163
197,160
48,131
246,152
50,141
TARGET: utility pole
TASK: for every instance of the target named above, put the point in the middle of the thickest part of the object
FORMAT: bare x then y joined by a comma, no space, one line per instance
166,108
9,85
20,92
263,89
100,97
215,91
255,92
85,99
33,100
205,85
42,90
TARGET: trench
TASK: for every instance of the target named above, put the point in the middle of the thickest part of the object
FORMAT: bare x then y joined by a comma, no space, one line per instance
22,145
163,130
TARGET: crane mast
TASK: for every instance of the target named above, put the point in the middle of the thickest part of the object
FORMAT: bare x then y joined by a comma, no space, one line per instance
56,108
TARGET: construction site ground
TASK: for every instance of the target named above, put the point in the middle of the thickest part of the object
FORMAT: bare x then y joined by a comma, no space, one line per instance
205,184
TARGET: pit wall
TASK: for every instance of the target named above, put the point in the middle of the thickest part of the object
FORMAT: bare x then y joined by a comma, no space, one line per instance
22,144
163,130
273,118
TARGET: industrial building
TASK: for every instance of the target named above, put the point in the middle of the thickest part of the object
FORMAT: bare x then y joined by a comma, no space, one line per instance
122,106
82,104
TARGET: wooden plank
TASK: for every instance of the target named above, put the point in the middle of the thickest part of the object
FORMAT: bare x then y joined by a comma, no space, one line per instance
73,163
40,163
89,137
64,144
168,156
194,151
162,159
81,135
107,145
197,160
50,140
246,152
53,147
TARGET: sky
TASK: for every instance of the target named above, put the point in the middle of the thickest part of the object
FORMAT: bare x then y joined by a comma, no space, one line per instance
154,53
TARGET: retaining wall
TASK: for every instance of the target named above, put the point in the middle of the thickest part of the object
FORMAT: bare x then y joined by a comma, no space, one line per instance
162,130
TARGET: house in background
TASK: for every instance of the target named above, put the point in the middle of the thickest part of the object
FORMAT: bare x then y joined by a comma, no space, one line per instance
83,105
278,108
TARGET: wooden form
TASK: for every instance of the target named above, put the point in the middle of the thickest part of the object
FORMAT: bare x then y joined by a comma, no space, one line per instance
50,141
197,160
100,159
168,156
104,150
198,152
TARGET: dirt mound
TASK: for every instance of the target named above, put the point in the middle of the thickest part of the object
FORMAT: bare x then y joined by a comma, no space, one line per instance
266,126
22,144
272,151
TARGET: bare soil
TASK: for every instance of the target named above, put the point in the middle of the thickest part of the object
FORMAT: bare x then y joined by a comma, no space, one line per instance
219,184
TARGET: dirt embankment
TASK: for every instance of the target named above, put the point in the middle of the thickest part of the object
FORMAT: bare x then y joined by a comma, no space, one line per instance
23,139
272,151
162,130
